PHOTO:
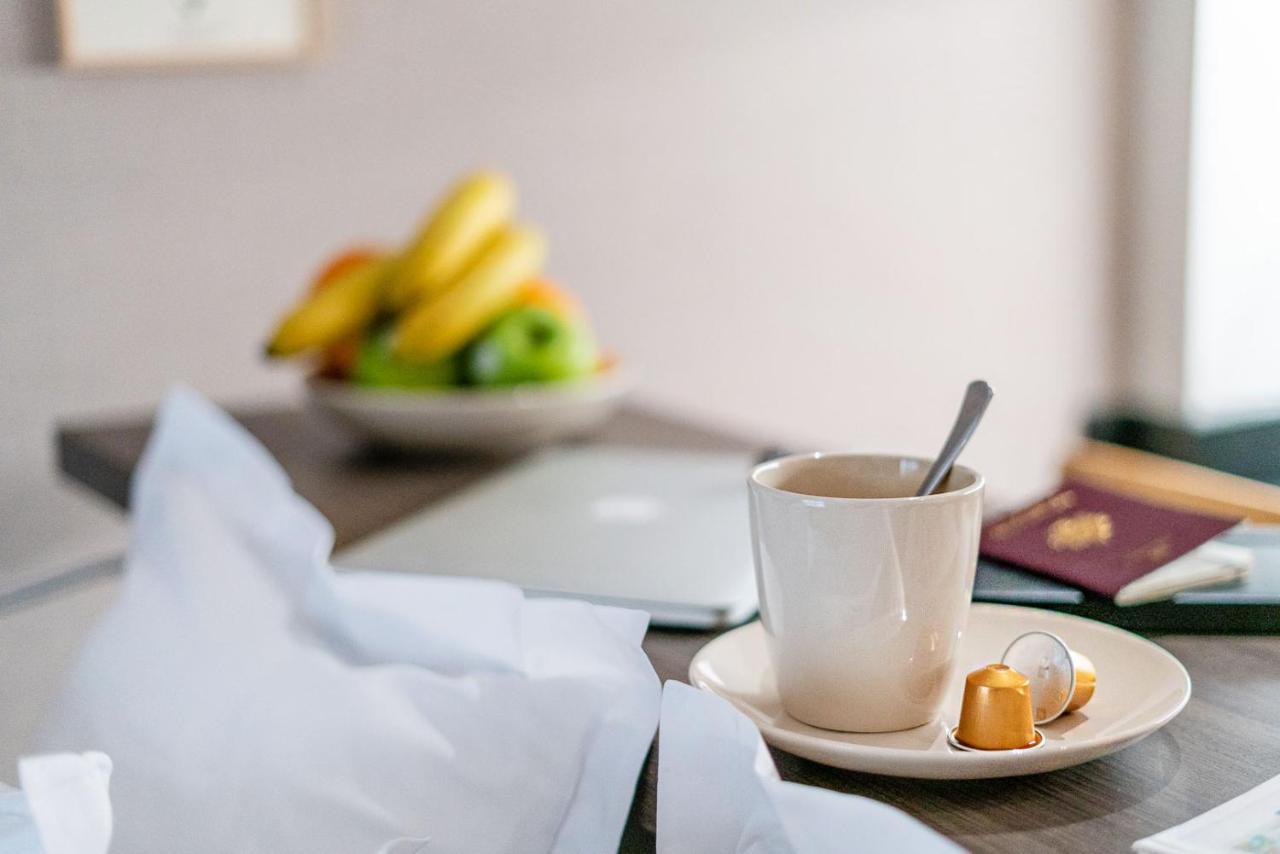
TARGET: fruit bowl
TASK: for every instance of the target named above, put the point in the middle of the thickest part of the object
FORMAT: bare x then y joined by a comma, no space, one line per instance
454,340
476,420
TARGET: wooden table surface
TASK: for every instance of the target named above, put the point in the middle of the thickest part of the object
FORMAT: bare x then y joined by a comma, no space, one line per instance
1225,742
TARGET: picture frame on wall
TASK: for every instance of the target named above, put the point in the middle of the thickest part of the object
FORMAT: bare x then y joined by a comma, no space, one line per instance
176,33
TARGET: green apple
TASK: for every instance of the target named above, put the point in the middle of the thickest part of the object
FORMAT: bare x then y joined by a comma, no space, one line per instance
529,344
377,366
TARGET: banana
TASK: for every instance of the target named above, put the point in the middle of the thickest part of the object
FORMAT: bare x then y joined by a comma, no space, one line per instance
343,307
438,327
460,227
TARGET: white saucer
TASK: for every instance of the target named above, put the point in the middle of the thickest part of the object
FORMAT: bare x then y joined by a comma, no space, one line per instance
1141,687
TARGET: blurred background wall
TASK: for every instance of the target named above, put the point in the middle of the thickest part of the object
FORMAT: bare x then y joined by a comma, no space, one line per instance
809,223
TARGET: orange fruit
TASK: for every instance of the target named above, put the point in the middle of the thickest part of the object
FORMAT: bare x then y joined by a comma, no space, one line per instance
344,262
543,293
338,360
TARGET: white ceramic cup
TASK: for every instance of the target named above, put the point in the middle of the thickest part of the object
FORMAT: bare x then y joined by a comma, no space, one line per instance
864,589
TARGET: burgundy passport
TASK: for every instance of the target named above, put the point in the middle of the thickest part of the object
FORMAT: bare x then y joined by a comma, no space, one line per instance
1095,539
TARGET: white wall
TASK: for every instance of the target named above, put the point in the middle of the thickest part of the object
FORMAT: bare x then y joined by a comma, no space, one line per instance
811,222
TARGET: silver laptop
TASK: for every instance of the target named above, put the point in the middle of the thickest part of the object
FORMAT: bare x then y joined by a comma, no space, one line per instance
663,531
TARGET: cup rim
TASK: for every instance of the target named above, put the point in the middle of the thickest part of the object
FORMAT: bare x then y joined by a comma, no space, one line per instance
936,498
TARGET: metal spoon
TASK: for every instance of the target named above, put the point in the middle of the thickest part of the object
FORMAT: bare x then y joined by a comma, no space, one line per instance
976,398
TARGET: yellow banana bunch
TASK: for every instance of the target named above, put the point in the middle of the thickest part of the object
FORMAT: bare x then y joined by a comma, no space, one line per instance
438,326
343,307
464,222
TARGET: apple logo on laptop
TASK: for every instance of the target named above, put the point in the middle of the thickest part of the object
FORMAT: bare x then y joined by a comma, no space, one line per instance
624,509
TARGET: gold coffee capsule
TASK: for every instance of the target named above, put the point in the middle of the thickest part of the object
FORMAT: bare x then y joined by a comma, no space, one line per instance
1086,681
996,711
1061,679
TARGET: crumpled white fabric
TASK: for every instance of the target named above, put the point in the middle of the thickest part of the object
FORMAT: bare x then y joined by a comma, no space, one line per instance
62,808
252,700
719,793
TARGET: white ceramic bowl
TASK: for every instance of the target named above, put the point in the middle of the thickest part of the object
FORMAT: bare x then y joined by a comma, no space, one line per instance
468,419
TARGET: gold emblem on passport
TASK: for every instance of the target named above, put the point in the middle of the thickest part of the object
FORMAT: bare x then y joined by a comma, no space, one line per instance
1079,531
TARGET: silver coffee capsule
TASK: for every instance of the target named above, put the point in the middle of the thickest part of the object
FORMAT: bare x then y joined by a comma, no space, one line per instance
1061,680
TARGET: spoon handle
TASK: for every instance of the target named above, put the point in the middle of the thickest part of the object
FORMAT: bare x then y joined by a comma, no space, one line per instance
976,398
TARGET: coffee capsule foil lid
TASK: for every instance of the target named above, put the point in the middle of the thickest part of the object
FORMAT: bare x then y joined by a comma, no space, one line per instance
1060,680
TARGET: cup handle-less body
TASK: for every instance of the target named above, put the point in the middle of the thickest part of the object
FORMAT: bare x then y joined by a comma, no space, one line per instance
864,600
